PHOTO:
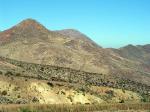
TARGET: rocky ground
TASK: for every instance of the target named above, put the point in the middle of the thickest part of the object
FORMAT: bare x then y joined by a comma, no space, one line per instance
21,90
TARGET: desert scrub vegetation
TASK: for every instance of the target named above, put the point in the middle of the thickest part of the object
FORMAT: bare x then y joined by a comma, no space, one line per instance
4,93
1,72
73,108
71,76
54,73
145,98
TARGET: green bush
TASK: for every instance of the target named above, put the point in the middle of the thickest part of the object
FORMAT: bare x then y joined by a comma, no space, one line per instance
25,110
145,98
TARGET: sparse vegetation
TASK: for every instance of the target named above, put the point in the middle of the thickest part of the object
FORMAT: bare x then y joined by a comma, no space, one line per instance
35,100
73,108
79,81
145,98
1,72
50,84
25,110
18,74
27,83
122,101
4,93
8,73
54,73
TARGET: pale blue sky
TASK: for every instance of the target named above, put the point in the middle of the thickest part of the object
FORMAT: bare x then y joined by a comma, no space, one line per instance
110,23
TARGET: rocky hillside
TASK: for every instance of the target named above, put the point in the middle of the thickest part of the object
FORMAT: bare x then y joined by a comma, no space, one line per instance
22,90
133,62
31,42
137,53
22,83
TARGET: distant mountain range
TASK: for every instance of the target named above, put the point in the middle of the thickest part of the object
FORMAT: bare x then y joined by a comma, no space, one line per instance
29,41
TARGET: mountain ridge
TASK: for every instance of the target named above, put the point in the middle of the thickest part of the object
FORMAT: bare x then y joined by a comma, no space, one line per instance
70,48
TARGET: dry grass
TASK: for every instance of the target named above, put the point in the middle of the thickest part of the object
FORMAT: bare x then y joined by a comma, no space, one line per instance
72,108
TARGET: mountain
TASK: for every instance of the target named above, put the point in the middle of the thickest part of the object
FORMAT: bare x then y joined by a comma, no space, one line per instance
136,53
75,34
38,65
134,62
29,41
139,55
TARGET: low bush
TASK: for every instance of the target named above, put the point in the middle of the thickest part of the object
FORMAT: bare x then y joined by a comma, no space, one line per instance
4,93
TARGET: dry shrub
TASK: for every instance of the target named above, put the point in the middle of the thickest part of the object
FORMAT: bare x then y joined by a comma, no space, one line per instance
72,108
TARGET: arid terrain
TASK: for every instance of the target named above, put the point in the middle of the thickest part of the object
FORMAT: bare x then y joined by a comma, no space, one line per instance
41,66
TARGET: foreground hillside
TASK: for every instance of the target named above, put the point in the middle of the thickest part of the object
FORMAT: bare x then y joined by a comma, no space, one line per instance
24,83
24,91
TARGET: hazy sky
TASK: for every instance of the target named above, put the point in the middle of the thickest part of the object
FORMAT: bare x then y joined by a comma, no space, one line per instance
110,23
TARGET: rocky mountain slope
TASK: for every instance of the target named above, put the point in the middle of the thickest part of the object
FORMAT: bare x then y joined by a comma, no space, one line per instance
31,42
134,62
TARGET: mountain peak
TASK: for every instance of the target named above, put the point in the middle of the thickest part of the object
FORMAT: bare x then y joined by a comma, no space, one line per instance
30,20
129,46
74,34
71,30
31,23
27,28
